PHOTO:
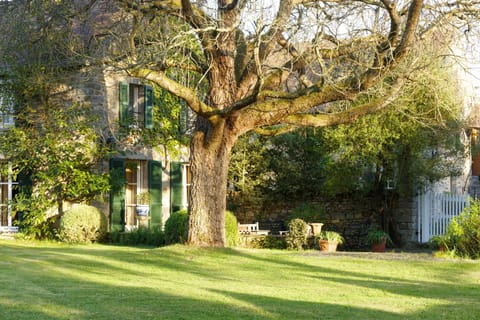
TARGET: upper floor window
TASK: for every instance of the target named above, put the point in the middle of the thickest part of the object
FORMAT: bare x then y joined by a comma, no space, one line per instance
6,112
136,105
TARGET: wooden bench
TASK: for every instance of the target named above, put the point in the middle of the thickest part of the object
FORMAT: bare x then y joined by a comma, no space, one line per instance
251,228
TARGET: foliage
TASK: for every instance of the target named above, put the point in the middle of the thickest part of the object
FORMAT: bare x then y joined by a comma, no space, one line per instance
297,161
247,173
171,128
231,229
331,236
375,235
267,242
140,236
176,227
54,145
308,212
60,156
31,217
302,63
59,152
412,143
463,236
82,224
52,142
143,198
297,234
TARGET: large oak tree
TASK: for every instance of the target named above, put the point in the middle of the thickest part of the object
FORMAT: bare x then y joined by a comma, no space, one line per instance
264,65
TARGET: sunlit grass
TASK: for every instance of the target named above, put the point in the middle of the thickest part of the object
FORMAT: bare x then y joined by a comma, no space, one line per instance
56,281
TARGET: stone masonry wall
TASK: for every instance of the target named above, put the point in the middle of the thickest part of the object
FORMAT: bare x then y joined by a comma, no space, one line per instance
350,216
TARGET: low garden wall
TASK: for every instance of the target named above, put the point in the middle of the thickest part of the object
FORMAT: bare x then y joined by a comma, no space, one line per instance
347,215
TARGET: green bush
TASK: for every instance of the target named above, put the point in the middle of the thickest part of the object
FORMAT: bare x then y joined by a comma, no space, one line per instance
266,242
141,236
297,234
463,236
30,211
176,227
82,224
231,229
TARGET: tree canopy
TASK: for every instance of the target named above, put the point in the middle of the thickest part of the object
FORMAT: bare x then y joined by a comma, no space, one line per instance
267,65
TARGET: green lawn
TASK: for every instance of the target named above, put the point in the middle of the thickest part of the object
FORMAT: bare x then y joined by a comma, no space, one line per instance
56,281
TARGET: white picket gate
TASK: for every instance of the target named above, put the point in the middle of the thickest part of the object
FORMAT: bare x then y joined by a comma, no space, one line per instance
435,210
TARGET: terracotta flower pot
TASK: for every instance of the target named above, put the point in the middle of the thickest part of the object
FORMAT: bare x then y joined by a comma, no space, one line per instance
380,246
328,246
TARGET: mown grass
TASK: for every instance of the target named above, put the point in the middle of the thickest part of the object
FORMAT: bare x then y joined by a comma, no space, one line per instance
56,281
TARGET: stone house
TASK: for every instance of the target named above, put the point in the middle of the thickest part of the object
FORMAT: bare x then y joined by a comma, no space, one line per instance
124,101
121,102
124,106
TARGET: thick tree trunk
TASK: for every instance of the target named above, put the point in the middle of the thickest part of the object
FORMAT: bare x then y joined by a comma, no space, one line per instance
213,140
209,163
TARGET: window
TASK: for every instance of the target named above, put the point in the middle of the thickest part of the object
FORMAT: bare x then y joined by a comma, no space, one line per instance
7,192
136,183
135,105
6,112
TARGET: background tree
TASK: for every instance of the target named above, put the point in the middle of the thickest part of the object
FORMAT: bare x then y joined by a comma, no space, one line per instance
415,141
291,62
54,143
248,173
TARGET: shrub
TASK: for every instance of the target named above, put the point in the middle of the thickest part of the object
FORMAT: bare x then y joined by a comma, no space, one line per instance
274,243
266,242
176,227
231,229
297,234
463,236
141,236
31,214
82,224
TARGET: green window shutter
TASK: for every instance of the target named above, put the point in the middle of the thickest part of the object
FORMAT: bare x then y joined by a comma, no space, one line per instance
176,188
155,189
124,97
117,194
148,107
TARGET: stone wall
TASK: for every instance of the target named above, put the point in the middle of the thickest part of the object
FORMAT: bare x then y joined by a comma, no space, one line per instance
405,221
351,216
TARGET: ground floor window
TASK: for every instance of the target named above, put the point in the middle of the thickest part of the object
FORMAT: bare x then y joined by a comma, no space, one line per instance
130,178
8,188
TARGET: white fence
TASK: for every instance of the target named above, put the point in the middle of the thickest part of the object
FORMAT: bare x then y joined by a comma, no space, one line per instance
435,210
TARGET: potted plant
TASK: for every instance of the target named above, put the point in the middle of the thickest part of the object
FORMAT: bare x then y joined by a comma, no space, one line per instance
441,242
329,240
143,204
378,239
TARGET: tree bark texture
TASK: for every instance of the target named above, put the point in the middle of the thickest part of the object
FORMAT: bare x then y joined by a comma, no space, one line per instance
209,165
